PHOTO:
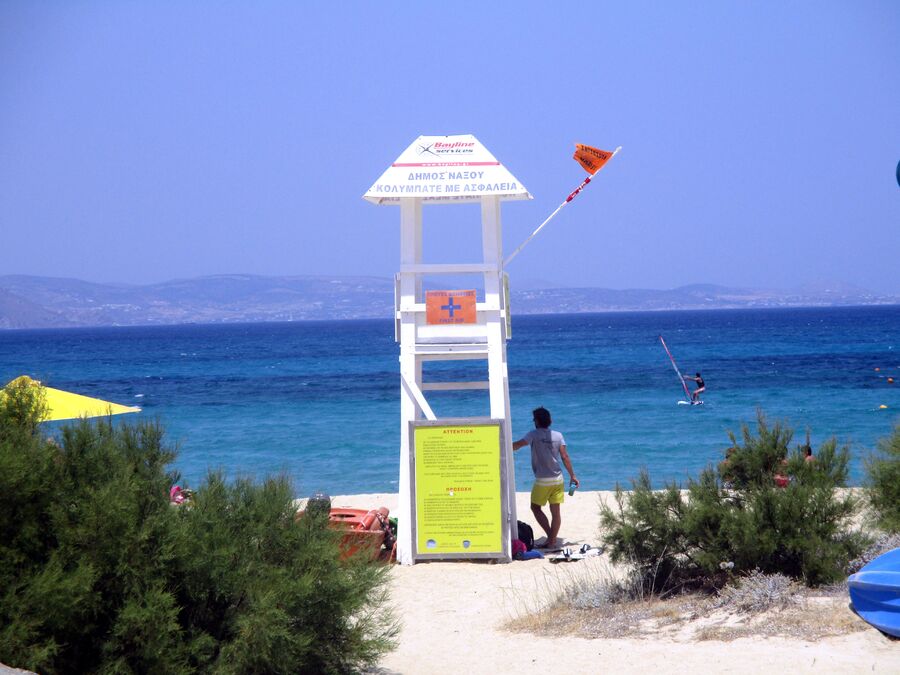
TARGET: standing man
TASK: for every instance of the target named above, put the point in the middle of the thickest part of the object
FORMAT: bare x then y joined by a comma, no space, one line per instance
695,395
547,448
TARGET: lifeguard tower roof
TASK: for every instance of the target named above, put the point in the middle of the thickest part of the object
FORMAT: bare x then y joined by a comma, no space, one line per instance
446,169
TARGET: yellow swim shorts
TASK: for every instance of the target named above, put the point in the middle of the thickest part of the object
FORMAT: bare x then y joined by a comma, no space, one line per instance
544,491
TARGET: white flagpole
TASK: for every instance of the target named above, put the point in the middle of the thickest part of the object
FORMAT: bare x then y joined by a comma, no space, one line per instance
571,196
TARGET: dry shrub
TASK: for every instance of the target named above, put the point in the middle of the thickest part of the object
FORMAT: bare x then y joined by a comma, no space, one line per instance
757,592
603,590
883,544
600,606
632,618
810,620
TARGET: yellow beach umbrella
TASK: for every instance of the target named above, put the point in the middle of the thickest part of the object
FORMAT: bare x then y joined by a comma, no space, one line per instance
64,405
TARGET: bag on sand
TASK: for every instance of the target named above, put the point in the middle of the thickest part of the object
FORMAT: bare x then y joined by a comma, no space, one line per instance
518,549
526,534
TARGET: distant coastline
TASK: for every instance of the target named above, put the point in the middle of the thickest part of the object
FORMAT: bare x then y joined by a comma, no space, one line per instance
47,302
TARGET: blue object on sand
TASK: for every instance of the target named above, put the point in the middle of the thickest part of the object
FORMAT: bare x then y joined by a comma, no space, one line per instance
875,592
533,554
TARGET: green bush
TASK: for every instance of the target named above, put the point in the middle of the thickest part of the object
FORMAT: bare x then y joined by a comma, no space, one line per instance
273,585
100,573
734,519
883,482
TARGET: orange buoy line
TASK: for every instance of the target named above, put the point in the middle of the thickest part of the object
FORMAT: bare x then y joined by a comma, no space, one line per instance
374,519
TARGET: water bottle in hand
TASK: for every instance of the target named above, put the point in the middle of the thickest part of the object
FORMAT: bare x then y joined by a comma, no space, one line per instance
572,486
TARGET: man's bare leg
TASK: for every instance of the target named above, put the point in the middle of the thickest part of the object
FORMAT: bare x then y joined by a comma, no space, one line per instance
541,518
554,525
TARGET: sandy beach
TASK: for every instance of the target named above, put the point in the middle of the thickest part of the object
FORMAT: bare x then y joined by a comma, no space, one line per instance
453,615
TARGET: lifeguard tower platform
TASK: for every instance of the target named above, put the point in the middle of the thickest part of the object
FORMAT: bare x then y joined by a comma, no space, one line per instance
457,479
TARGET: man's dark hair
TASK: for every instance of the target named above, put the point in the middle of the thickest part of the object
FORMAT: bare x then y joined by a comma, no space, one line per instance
542,417
698,374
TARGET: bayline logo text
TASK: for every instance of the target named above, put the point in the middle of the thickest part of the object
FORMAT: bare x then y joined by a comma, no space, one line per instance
439,148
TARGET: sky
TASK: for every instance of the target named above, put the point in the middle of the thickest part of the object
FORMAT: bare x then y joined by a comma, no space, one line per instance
147,141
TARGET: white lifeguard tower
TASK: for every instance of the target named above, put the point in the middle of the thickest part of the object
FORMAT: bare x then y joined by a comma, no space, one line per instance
438,326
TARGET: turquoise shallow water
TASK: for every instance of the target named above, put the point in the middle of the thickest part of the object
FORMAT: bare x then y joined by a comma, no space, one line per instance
320,400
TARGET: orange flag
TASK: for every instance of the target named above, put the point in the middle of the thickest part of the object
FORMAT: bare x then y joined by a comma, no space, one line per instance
591,159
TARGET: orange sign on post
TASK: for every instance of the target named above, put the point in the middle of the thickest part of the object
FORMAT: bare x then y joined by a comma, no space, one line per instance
449,307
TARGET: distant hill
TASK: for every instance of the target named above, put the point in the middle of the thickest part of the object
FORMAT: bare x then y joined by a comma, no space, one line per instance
697,296
17,312
45,302
233,298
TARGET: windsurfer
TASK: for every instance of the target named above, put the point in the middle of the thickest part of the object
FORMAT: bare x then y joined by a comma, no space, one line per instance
701,387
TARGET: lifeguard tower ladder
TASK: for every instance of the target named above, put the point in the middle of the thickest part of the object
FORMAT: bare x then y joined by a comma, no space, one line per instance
449,170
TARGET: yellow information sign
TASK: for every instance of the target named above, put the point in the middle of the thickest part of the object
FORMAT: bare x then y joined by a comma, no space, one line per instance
459,507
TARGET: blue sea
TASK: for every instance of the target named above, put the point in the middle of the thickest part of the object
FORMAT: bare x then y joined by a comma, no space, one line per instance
320,400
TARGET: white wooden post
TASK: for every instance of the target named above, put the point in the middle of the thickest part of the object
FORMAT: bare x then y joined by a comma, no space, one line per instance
410,368
498,372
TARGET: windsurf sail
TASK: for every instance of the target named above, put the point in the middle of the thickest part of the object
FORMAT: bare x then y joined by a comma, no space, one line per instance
687,392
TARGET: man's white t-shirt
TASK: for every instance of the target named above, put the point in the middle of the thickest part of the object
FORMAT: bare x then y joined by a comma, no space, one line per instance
545,444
